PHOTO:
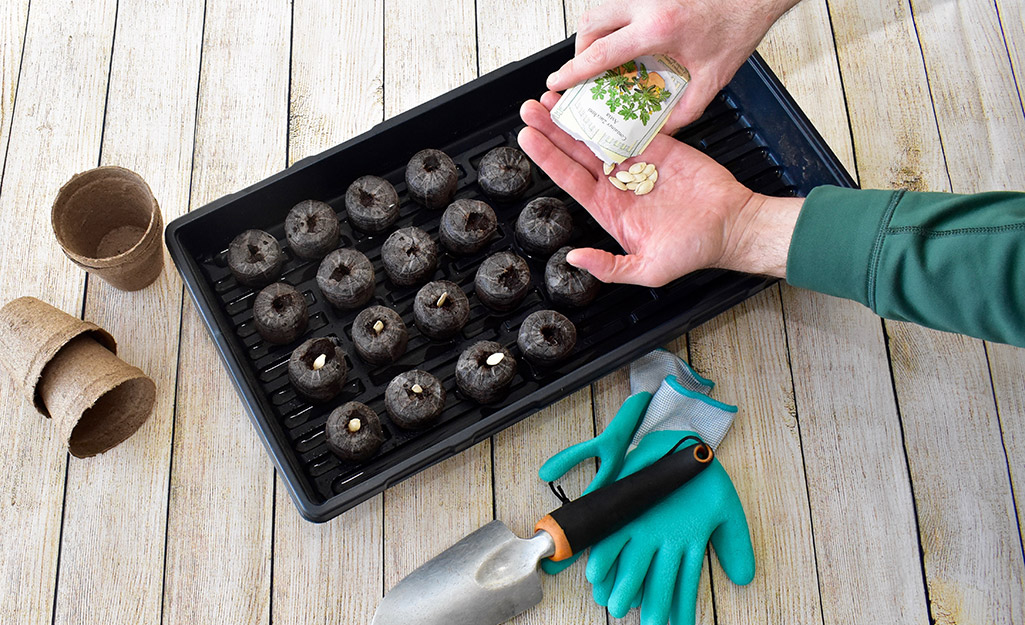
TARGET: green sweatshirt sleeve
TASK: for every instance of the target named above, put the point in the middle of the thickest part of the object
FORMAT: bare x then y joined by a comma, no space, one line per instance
946,261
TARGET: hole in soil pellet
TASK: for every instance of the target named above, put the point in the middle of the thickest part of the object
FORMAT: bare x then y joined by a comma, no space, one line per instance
255,255
431,163
476,221
340,272
365,198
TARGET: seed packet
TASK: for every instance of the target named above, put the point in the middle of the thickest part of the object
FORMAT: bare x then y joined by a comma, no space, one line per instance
618,113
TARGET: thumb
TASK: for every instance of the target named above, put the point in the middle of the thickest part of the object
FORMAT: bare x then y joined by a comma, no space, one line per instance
629,269
696,98
609,51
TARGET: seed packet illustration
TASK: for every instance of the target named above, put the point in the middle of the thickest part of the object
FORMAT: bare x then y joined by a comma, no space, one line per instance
618,113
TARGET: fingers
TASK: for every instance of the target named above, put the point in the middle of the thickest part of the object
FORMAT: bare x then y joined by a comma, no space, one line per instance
732,544
540,117
601,21
603,556
696,98
628,269
684,606
659,587
560,464
604,53
633,565
565,172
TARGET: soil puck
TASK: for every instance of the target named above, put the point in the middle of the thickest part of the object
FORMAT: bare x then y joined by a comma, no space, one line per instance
467,226
504,173
317,368
353,432
502,281
346,278
372,204
312,229
546,337
280,313
431,178
255,258
484,371
414,399
379,335
544,225
410,256
441,309
568,285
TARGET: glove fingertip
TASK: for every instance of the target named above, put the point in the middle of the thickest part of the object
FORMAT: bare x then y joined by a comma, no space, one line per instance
552,567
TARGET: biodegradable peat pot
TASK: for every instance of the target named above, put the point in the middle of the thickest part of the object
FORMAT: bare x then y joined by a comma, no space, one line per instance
69,371
108,223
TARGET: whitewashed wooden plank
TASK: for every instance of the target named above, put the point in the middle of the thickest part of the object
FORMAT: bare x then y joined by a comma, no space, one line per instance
54,132
112,550
1012,23
221,499
431,510
13,20
331,572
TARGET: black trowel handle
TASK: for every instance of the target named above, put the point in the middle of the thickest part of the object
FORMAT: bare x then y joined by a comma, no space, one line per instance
583,522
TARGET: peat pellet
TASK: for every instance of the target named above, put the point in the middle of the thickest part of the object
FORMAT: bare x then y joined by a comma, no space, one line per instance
504,173
502,281
311,228
280,313
410,256
568,285
544,225
431,178
353,432
546,337
346,278
414,399
482,382
441,309
255,258
317,368
371,204
379,335
467,226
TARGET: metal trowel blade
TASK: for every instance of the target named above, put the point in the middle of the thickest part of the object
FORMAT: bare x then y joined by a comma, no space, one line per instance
486,578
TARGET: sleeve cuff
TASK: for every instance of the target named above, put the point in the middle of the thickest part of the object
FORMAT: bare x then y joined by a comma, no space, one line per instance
836,239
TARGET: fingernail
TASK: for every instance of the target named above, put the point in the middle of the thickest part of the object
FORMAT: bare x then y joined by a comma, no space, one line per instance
552,78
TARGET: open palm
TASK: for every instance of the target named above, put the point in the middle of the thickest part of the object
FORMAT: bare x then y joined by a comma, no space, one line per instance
693,218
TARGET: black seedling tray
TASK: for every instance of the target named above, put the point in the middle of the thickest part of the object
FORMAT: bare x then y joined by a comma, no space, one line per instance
754,128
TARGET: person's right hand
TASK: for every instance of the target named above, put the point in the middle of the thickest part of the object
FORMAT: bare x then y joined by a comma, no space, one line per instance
711,38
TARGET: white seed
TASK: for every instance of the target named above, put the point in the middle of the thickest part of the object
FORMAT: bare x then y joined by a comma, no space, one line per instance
632,186
416,388
495,358
636,168
654,176
624,176
378,326
441,300
640,177
319,363
617,183
609,167
354,425
649,169
644,187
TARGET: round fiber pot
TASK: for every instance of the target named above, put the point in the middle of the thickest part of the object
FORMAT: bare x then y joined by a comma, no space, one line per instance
108,223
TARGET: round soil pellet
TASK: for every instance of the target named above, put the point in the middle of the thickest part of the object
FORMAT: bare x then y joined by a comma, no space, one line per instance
467,226
431,178
546,337
280,314
502,281
371,204
444,320
482,382
317,368
379,335
414,399
346,278
544,225
350,440
504,173
312,229
568,285
255,258
410,256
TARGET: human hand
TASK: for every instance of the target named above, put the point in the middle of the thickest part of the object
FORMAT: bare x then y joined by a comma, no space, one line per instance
697,216
655,560
711,38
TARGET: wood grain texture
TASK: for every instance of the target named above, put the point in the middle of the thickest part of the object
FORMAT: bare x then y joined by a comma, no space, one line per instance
221,500
55,132
433,509
330,573
13,18
1012,23
112,551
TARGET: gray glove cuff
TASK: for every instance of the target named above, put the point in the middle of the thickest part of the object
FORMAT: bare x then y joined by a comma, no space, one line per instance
676,407
648,372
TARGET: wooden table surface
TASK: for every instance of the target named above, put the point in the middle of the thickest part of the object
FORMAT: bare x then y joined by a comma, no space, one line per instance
878,462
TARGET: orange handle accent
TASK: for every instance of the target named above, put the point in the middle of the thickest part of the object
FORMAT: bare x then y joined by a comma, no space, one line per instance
552,527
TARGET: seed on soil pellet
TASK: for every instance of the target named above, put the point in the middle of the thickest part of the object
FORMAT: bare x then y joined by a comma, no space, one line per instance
608,168
495,358
636,168
441,300
378,326
354,425
617,183
319,363
416,388
624,176
644,187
